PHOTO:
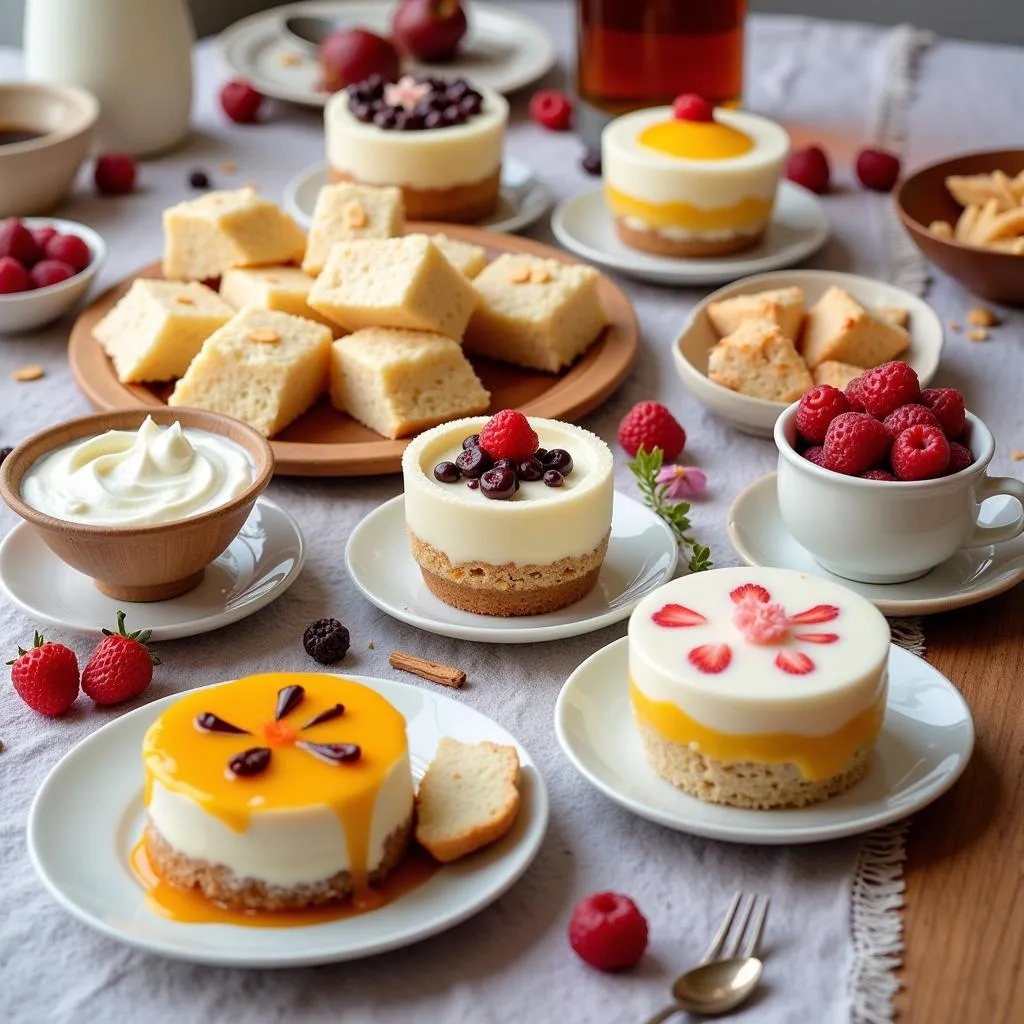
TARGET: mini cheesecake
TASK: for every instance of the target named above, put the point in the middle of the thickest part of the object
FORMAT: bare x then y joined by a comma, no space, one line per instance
439,141
691,188
758,688
496,541
278,791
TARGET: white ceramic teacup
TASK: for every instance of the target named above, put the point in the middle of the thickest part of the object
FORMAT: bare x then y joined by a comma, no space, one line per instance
877,531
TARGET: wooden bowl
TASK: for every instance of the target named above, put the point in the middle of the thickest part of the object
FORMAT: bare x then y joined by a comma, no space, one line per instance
923,198
139,563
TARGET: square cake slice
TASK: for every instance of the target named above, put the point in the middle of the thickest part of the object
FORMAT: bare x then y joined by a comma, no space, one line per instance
346,211
757,360
204,237
464,256
282,288
839,328
395,282
399,382
782,306
835,373
535,312
157,327
263,367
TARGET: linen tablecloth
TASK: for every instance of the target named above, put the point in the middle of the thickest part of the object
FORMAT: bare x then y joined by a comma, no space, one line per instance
842,84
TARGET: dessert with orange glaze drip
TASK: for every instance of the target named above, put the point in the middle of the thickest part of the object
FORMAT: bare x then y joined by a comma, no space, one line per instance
758,688
278,792
691,188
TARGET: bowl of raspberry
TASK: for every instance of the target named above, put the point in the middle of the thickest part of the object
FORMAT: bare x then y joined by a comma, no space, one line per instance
46,267
884,481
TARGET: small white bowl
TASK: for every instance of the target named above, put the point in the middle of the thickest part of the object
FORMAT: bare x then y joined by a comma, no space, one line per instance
758,415
25,311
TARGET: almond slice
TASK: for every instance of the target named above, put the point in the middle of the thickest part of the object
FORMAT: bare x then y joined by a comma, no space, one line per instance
27,373
185,300
264,336
355,215
979,316
519,275
977,334
539,276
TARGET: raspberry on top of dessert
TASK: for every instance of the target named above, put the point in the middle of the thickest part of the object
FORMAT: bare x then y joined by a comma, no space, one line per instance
758,687
679,184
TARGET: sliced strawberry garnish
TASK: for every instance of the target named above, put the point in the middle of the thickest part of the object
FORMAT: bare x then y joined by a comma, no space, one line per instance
711,658
675,615
796,663
817,638
819,613
751,589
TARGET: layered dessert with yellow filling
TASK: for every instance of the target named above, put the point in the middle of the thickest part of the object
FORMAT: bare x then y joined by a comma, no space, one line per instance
758,688
678,187
278,791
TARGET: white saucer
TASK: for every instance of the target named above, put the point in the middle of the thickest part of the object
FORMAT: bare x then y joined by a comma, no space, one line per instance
798,227
95,794
503,50
925,744
759,537
260,564
642,554
524,197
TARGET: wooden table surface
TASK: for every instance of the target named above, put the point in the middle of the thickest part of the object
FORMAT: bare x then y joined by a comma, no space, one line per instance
964,918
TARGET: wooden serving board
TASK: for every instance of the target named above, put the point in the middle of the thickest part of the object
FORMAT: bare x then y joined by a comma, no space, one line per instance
325,442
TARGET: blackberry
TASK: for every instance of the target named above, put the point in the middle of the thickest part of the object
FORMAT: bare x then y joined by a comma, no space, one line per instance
326,640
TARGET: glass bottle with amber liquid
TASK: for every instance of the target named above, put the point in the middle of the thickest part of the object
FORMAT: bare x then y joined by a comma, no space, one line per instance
643,53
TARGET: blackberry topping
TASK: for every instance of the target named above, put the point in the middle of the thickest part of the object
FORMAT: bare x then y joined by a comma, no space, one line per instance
540,454
591,163
560,459
447,473
442,104
473,484
530,470
552,478
473,462
199,179
507,464
326,640
498,483
473,441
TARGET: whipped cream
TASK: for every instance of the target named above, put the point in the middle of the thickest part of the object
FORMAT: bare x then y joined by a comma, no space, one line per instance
128,478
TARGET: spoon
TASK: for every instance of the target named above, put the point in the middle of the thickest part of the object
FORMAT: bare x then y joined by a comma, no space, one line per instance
311,31
715,987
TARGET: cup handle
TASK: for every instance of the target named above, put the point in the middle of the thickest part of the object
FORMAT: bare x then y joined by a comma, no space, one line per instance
990,487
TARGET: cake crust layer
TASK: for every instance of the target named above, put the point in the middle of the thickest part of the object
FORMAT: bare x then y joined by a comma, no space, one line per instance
660,245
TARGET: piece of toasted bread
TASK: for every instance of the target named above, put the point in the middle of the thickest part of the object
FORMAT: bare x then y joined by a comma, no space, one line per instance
468,798
757,360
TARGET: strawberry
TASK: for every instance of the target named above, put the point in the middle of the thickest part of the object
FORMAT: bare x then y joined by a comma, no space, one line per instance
650,425
819,613
796,663
121,667
817,638
753,589
45,676
674,616
711,658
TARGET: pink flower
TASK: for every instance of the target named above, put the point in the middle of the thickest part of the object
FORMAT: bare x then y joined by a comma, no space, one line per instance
406,92
760,622
683,481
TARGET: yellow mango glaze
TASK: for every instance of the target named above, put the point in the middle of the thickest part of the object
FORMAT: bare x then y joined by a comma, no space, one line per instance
747,215
817,757
696,140
194,763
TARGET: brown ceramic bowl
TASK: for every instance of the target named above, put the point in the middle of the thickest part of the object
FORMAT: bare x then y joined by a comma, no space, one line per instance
35,175
923,198
140,563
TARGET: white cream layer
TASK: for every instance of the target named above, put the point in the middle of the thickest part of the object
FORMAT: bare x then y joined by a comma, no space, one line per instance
538,526
283,848
652,177
752,695
435,158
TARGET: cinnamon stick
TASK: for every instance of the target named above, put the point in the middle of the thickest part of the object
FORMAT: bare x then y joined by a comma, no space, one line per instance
445,675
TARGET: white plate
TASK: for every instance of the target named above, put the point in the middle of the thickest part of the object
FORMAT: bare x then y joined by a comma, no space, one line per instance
758,415
642,554
95,794
925,744
260,564
524,198
502,50
759,537
798,227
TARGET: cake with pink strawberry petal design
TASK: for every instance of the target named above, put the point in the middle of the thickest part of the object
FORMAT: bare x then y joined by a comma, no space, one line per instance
758,688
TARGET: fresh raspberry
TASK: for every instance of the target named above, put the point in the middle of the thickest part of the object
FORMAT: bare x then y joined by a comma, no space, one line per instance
907,416
13,276
817,409
240,101
852,392
887,387
854,443
551,109
960,457
508,435
69,249
17,241
947,405
877,169
43,235
114,174
877,474
46,676
920,453
815,454
650,425
47,272
608,931
120,667
691,107
326,640
809,167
